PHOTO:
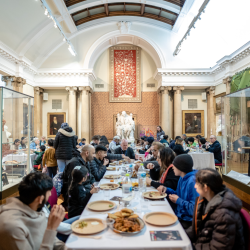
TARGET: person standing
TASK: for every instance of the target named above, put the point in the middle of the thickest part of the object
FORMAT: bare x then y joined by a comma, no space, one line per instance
159,132
64,144
49,159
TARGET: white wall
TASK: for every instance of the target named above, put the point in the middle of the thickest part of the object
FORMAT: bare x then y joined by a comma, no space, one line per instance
219,89
47,105
28,90
101,70
202,105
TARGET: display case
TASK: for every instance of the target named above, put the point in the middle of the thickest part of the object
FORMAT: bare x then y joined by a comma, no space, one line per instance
236,134
17,130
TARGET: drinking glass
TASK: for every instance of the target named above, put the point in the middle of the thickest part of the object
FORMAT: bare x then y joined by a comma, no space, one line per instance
106,194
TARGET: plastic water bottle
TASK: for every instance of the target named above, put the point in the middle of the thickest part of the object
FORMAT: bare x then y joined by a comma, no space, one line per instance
140,171
126,187
184,145
142,183
197,148
130,169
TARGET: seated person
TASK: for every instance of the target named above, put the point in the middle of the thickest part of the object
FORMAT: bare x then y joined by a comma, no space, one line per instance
164,139
141,142
39,157
22,224
125,149
172,143
114,144
203,142
191,142
95,140
184,137
166,176
15,145
78,195
214,148
185,194
178,148
197,139
148,144
99,163
217,222
83,142
43,141
35,144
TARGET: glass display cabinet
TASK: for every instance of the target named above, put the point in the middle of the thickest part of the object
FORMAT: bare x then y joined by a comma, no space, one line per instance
16,132
236,135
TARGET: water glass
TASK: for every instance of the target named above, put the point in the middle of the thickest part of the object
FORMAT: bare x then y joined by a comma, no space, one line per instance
106,194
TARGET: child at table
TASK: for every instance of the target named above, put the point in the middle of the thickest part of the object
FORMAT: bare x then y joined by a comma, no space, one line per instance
39,158
185,194
78,195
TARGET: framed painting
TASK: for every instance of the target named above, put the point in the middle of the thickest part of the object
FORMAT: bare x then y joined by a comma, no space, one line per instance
125,70
54,122
218,102
193,122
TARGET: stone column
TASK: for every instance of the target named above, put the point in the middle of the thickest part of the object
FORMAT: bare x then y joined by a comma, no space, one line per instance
38,111
211,115
166,115
85,112
227,81
177,111
72,107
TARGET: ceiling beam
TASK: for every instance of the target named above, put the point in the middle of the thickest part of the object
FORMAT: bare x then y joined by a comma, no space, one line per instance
179,3
142,9
106,7
124,9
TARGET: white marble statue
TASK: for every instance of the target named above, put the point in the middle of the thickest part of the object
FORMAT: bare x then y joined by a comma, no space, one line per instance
125,126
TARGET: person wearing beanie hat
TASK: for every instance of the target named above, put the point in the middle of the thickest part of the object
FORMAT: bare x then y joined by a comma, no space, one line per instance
185,194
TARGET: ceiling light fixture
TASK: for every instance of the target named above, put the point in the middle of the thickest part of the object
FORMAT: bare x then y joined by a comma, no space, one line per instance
192,25
48,13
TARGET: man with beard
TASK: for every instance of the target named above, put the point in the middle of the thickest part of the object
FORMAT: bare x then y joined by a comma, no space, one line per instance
22,223
83,159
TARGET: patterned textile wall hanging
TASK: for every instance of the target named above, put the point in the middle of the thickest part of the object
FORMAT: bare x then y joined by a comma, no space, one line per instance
125,80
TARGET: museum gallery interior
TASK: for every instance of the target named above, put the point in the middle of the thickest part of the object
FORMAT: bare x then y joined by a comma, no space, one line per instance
125,124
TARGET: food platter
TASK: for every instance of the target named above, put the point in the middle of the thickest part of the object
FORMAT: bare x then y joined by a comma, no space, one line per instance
111,168
154,195
113,164
126,222
112,176
101,205
160,218
109,186
88,226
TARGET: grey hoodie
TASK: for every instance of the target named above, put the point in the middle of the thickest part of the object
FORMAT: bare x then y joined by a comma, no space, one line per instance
22,228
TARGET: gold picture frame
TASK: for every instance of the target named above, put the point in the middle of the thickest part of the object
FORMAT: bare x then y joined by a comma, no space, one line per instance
192,126
218,102
61,118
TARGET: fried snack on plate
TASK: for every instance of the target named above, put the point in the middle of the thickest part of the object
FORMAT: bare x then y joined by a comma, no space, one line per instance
127,210
134,216
126,214
112,216
118,214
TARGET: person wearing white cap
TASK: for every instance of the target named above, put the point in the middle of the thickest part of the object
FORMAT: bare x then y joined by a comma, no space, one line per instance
114,144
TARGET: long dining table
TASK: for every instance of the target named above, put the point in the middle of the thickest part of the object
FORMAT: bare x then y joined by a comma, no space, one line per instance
142,240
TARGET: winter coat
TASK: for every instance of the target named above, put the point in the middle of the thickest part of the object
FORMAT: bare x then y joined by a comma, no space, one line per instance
97,169
171,180
217,224
39,157
178,149
129,152
215,148
164,141
78,200
64,143
172,144
22,228
187,195
159,135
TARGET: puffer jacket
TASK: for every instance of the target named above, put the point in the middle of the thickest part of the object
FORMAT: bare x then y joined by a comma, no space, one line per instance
97,169
217,224
64,143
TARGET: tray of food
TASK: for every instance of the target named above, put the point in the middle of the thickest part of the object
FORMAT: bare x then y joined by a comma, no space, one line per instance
126,222
154,195
112,164
109,186
101,205
112,176
111,168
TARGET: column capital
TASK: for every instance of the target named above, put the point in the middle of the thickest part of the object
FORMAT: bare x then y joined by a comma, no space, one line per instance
8,79
71,90
210,90
87,89
38,90
178,89
164,89
227,80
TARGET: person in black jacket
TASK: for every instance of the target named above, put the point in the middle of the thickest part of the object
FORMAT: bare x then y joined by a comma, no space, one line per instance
216,221
78,194
214,148
64,144
80,159
99,163
125,149
172,143
178,148
148,143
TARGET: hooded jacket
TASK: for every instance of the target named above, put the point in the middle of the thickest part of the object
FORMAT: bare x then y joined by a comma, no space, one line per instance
187,195
22,228
217,224
64,143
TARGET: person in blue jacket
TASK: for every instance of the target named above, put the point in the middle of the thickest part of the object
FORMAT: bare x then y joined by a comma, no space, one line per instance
185,194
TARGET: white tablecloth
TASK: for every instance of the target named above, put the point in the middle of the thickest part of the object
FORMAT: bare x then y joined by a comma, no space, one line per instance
138,241
203,160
